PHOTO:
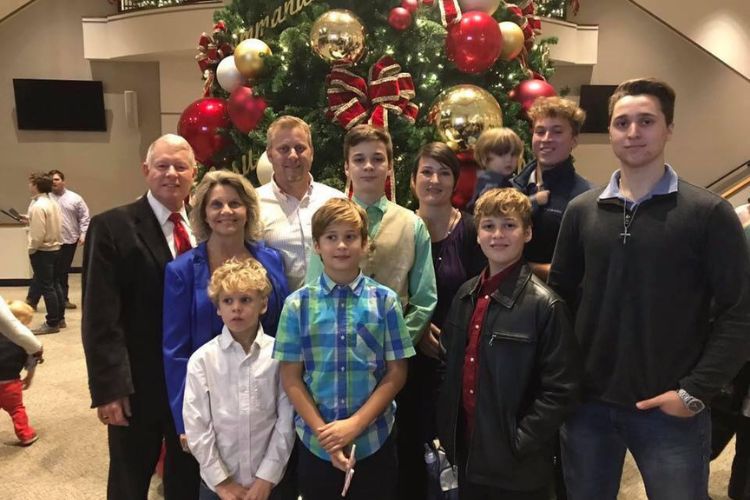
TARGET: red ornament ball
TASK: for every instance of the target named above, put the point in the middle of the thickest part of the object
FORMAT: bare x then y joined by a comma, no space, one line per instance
399,18
474,43
200,123
245,109
410,5
527,91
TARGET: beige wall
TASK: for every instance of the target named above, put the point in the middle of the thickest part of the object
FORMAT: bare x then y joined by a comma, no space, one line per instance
44,40
712,115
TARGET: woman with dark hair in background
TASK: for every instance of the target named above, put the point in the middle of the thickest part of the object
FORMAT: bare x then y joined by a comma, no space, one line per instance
456,257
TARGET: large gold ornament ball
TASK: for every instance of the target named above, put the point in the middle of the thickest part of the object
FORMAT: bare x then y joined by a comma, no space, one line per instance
338,37
513,40
461,113
248,57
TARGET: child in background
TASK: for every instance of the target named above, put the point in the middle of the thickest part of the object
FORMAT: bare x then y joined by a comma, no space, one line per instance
238,419
19,349
512,368
342,343
498,153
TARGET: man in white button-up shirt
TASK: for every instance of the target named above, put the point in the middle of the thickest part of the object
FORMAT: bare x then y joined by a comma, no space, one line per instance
238,419
288,202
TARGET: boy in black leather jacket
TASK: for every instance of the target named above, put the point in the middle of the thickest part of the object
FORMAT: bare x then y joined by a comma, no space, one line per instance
513,366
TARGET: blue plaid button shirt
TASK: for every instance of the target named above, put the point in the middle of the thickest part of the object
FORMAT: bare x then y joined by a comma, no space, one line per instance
343,335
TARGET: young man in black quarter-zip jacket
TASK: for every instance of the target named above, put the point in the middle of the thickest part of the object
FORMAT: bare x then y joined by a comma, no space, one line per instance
657,275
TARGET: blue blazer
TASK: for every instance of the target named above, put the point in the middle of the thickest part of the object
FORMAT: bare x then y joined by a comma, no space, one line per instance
190,318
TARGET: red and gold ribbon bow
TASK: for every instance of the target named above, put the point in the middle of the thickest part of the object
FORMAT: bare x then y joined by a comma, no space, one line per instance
523,14
211,50
351,99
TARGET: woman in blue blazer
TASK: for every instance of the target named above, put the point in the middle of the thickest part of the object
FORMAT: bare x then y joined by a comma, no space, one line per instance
225,220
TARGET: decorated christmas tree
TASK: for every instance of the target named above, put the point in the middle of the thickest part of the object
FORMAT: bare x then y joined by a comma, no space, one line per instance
425,69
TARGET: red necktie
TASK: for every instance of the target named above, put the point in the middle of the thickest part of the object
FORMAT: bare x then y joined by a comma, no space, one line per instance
181,239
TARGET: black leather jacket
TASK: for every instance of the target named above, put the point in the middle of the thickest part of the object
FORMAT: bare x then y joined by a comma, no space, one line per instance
529,375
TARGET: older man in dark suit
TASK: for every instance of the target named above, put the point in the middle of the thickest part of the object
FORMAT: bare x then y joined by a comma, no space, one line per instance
125,254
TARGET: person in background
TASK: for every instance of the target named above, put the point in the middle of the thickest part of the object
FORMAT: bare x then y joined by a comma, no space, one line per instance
225,220
551,176
124,256
498,152
44,248
238,419
288,202
19,349
456,257
75,222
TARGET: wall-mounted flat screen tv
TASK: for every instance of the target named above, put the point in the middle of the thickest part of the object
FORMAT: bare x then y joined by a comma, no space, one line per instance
595,102
59,105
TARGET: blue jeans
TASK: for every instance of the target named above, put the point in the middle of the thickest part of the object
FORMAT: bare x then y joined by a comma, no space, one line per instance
672,453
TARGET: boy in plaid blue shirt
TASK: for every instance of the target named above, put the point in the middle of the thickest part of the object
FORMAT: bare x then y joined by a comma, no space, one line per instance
342,343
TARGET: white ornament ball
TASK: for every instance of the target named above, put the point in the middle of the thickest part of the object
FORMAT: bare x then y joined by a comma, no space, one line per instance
264,169
488,6
228,75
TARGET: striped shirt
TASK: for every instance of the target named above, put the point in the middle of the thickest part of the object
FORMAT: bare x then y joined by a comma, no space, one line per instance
287,226
343,334
75,216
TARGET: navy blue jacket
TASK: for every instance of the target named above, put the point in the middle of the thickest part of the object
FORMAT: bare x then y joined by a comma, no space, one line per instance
564,184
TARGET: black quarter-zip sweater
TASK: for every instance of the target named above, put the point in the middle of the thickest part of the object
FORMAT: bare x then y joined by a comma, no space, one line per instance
668,309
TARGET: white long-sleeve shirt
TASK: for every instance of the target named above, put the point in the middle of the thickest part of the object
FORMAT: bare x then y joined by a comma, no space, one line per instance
75,216
238,419
44,224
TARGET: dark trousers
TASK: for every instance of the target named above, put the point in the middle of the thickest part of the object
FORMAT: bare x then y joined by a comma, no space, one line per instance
727,421
45,285
62,268
473,491
374,476
134,451
415,425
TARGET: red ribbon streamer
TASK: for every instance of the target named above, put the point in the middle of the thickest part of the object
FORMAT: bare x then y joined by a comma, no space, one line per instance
351,99
211,50
525,18
450,11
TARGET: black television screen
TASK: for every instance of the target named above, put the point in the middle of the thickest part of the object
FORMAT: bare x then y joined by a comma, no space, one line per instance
59,105
595,102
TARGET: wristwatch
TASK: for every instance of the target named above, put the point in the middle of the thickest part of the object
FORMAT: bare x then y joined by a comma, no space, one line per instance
694,405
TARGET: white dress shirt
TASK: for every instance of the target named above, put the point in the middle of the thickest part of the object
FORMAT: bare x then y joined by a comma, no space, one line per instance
75,216
162,214
287,224
238,419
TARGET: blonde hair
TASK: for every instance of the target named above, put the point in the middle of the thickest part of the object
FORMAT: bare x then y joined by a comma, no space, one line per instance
237,275
503,202
245,191
499,141
557,107
338,211
22,311
287,122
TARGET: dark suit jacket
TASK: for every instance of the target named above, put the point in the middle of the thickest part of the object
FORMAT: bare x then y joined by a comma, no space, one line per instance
123,279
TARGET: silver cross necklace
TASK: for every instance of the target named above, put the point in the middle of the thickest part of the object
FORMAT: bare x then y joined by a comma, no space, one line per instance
627,221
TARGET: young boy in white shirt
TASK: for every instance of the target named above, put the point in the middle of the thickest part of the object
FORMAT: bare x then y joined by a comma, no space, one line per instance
238,419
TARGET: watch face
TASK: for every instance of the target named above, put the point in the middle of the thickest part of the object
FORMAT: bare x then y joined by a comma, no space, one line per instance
695,406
